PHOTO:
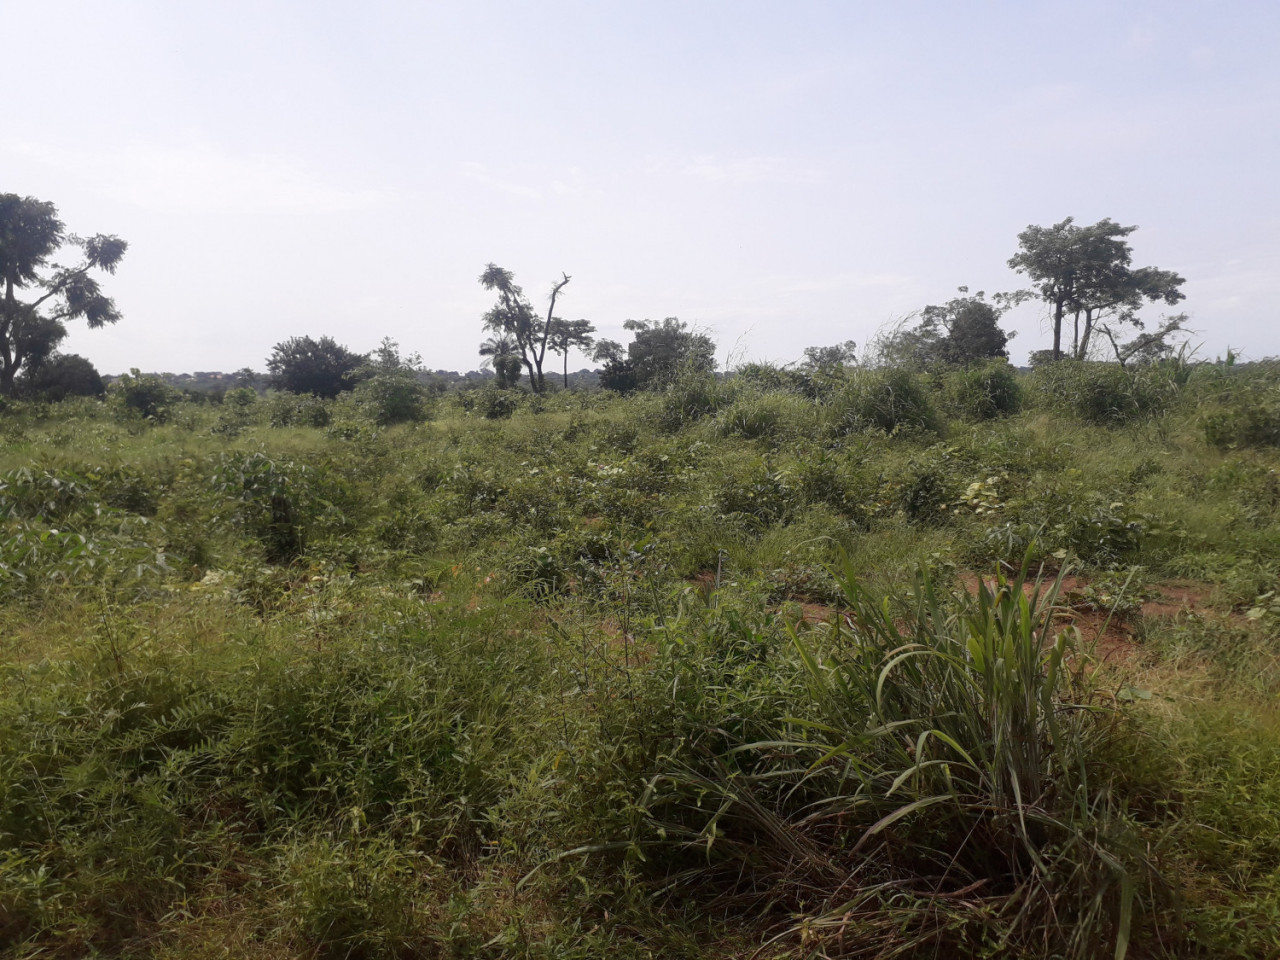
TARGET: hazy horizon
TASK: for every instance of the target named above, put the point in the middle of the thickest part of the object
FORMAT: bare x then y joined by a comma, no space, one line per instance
778,176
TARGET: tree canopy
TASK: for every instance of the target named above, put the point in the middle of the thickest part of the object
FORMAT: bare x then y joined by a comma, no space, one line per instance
657,352
31,329
320,367
1087,272
964,330
567,334
514,317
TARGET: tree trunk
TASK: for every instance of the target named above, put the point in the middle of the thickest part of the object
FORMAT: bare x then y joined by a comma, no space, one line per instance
546,329
1059,307
8,316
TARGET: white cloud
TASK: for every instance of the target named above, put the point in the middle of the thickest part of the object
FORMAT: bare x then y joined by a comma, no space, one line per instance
480,174
196,176
744,170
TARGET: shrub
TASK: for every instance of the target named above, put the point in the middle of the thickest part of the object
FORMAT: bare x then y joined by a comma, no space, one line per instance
144,395
764,416
65,376
692,395
948,741
297,410
889,399
1105,394
1252,420
985,393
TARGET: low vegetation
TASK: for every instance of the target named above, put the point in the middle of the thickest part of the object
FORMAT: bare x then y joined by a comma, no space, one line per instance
817,662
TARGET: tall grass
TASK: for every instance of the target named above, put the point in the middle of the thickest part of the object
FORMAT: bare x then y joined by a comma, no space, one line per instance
946,783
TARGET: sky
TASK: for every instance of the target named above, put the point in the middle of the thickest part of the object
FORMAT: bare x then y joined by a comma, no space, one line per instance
779,175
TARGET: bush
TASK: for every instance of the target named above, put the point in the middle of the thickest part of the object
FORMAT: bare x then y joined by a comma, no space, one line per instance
1248,421
392,398
297,410
890,399
947,740
1105,394
985,393
692,395
764,416
65,376
144,395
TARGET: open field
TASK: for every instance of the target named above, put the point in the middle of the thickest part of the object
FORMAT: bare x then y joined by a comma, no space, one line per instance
861,665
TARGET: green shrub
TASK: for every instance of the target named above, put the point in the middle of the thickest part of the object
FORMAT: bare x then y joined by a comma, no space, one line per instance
948,741
985,393
891,399
1249,420
1105,394
144,395
297,409
391,398
495,403
765,416
692,395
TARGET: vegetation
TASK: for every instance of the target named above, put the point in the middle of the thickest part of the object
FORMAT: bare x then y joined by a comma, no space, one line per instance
833,661
1085,271
322,368
514,322
30,330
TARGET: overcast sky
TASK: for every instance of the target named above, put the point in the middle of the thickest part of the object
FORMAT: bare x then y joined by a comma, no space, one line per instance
780,174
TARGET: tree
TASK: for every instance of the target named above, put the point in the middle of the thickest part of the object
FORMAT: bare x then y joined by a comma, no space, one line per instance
30,330
65,375
964,330
501,353
659,350
514,317
618,372
1150,346
566,334
319,367
829,359
970,326
1086,271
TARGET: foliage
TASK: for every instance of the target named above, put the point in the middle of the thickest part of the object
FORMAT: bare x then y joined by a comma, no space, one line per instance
1105,394
144,395
1251,419
322,368
657,355
513,320
946,741
985,392
30,330
62,376
567,334
390,390
281,688
828,359
890,399
1085,271
964,330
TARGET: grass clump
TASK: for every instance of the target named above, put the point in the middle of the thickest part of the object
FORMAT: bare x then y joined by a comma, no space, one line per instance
890,399
948,779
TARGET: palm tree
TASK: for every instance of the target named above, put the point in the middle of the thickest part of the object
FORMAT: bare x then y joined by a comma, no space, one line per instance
503,354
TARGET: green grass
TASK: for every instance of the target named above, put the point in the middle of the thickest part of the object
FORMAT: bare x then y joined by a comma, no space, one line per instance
685,674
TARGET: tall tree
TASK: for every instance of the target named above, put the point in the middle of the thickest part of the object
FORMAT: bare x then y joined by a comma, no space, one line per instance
1087,271
30,235
514,316
567,334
